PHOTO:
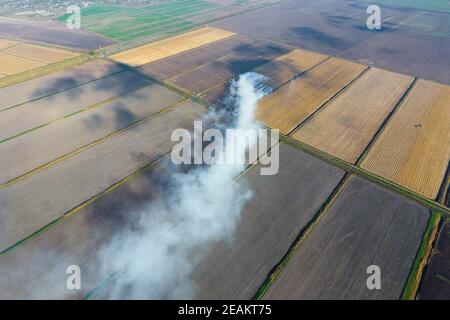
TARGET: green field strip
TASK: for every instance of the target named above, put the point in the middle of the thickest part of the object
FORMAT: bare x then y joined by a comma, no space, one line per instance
412,284
150,31
189,9
384,123
147,28
170,5
87,146
279,266
203,13
132,27
125,26
366,174
194,5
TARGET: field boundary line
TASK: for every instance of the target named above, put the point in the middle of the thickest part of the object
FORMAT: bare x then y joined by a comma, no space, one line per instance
422,257
36,60
386,121
88,146
83,204
429,203
445,186
299,75
300,238
44,70
197,66
328,101
18,43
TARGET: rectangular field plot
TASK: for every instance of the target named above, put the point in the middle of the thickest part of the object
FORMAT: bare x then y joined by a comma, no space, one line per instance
4,43
56,82
17,57
245,56
77,240
288,106
12,64
39,53
282,205
366,225
233,270
414,148
277,71
347,124
37,200
287,66
435,283
35,149
165,48
40,112
424,56
181,62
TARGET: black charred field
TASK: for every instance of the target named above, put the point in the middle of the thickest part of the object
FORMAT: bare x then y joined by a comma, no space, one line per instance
85,148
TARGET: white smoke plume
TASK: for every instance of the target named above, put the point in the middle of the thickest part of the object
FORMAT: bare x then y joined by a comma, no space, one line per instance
203,206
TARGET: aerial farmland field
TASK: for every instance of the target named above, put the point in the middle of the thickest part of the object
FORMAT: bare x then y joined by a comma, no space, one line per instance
225,150
165,48
56,199
345,127
128,23
291,104
362,216
420,134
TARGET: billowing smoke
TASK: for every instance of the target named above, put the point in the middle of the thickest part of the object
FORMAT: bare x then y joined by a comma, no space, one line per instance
202,206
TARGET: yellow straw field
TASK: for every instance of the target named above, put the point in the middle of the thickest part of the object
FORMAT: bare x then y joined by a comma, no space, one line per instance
287,107
40,53
345,127
11,64
414,149
167,47
4,43
284,68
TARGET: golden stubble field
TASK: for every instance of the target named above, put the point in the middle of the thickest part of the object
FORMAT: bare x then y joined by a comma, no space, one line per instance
286,67
346,125
167,47
16,57
414,148
288,106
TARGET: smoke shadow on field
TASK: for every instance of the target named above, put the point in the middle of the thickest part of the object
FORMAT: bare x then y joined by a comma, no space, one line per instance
114,77
310,34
